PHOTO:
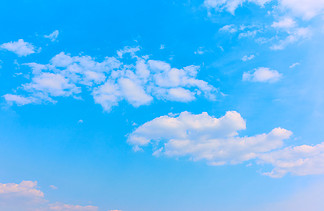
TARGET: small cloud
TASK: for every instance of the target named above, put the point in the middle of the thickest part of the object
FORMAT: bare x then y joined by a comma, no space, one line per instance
247,58
20,47
53,187
284,23
200,51
252,34
162,47
53,36
80,121
231,28
294,65
262,74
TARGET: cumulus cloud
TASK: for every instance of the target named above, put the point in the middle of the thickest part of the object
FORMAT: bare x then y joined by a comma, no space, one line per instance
299,160
127,76
262,74
27,196
53,36
217,141
20,47
203,137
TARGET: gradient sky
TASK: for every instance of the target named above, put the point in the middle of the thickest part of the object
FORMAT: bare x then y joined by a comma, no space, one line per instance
161,105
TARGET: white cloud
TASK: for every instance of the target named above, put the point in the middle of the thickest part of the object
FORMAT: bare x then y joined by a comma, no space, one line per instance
262,74
247,58
52,84
304,8
230,5
299,160
249,34
133,92
217,141
228,28
293,36
284,23
135,79
20,47
53,187
53,36
25,188
27,196
19,100
69,207
294,65
203,137
200,51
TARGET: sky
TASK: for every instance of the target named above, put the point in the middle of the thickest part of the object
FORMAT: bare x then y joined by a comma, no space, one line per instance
161,105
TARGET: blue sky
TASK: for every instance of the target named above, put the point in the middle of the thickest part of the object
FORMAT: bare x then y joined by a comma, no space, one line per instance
161,105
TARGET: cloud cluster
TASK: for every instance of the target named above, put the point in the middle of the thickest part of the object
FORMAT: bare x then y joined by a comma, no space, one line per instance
204,137
127,76
216,140
20,47
262,74
27,196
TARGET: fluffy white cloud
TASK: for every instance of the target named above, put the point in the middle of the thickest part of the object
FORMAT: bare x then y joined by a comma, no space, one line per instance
203,137
25,188
53,36
262,74
27,196
52,84
217,141
299,160
136,79
20,47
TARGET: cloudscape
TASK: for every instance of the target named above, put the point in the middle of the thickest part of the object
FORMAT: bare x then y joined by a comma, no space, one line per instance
162,105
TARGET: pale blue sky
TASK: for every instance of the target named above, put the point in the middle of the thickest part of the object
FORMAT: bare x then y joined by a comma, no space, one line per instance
161,105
